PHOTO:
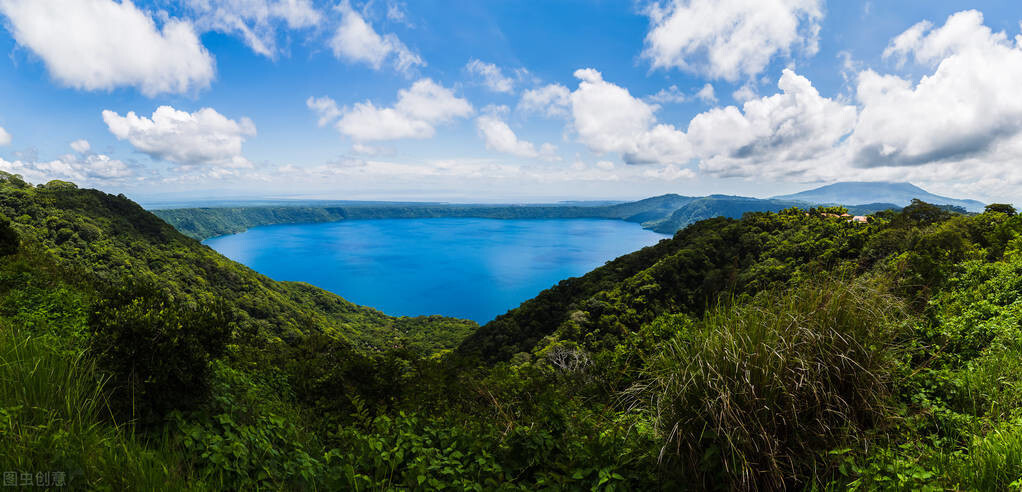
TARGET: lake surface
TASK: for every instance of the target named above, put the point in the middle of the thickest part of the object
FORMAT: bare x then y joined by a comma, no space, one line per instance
466,268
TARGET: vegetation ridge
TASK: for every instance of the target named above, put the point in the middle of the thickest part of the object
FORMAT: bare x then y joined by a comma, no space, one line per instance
790,349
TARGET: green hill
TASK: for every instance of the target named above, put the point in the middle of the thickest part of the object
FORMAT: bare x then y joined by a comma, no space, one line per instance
780,350
112,240
204,223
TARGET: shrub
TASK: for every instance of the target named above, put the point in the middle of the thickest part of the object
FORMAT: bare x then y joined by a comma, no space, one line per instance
51,420
8,238
157,351
757,393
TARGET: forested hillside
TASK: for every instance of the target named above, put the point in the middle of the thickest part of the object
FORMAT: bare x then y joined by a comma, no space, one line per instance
112,242
204,223
665,214
793,349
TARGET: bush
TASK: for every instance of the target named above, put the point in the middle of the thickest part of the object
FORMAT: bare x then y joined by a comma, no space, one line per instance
8,238
759,392
51,420
158,352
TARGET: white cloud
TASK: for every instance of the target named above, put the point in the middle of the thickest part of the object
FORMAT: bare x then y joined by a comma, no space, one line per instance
607,118
492,77
93,169
415,115
969,105
325,107
707,95
256,21
550,100
670,172
81,146
744,93
204,137
731,39
365,122
396,13
5,138
669,95
771,136
363,149
102,44
957,128
501,138
357,41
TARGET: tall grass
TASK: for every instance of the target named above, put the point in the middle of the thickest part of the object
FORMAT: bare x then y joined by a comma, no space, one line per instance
754,395
53,418
990,462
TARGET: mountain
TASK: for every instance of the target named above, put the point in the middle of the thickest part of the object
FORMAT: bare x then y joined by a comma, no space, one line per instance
665,214
111,240
718,206
206,222
781,350
862,192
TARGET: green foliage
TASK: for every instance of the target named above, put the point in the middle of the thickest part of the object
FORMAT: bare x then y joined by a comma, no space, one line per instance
157,351
727,357
52,421
109,239
685,274
1002,208
247,437
9,241
754,391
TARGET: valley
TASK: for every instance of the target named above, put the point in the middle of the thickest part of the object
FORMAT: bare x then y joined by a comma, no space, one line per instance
866,354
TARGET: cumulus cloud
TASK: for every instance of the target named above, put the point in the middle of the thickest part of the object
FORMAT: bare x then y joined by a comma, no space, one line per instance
729,40
355,40
102,44
81,146
707,95
550,100
91,169
5,138
670,172
501,138
783,133
256,21
491,76
958,127
325,108
669,95
204,137
607,118
415,114
968,106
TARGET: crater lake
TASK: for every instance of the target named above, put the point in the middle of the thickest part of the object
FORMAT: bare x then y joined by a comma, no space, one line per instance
462,267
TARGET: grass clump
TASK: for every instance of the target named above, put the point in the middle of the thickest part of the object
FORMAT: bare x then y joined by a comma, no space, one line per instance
54,420
757,393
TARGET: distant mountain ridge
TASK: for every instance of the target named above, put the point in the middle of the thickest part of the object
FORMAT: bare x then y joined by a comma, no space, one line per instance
665,214
862,192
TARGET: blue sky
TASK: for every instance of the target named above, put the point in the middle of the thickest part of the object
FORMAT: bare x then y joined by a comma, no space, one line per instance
510,100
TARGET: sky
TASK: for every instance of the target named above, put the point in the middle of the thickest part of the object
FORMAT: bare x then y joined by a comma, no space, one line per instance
510,100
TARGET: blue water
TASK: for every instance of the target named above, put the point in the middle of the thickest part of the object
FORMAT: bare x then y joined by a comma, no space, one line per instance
466,268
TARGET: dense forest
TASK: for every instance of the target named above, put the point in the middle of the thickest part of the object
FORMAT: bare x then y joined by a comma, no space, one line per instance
665,214
786,349
204,223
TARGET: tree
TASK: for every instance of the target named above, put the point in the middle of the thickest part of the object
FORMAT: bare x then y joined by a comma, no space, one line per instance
922,213
157,351
1003,208
8,239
